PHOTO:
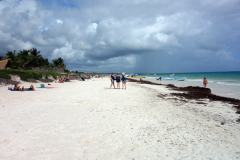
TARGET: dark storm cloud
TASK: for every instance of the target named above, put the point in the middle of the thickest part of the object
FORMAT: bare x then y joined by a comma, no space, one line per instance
136,35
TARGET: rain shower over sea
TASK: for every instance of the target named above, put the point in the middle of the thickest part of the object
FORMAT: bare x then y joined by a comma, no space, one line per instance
221,83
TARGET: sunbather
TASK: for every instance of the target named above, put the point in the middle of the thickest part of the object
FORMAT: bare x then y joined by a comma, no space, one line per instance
62,80
19,88
16,87
30,88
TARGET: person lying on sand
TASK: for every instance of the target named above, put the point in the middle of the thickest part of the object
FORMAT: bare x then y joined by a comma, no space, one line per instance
19,88
62,80
30,88
16,87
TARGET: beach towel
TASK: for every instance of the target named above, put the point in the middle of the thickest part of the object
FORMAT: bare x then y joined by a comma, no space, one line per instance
28,90
18,90
45,87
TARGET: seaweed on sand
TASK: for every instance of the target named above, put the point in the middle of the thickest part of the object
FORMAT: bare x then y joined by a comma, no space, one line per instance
196,93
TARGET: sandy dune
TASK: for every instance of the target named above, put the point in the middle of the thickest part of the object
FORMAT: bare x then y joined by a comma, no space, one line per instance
87,120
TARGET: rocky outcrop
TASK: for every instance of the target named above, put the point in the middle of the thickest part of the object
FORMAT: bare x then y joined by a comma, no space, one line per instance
15,77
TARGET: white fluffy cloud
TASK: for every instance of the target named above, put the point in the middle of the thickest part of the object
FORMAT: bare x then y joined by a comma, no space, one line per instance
110,36
59,21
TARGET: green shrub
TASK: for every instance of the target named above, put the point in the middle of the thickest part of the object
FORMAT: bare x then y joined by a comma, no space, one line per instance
26,74
53,74
4,75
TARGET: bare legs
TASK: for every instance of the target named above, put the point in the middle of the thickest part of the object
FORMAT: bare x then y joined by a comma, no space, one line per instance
118,85
31,88
124,85
112,84
19,89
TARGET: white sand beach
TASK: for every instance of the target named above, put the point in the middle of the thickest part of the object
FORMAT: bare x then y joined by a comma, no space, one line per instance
87,120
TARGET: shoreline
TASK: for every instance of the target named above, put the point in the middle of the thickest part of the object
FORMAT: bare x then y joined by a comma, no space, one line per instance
218,89
87,120
195,93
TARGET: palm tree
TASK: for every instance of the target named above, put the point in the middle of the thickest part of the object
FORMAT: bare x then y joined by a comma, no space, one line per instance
31,58
46,63
35,53
23,58
13,57
36,58
59,63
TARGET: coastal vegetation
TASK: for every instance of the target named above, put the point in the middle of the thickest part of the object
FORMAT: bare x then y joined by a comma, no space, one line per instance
27,74
24,62
28,59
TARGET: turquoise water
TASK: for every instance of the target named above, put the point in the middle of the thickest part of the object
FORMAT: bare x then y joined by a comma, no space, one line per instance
223,78
221,83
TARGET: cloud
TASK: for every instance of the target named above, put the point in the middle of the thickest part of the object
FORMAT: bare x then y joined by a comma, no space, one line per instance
67,53
92,28
132,35
59,21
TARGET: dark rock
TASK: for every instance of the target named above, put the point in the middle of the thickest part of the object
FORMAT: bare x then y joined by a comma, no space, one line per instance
8,81
46,80
32,80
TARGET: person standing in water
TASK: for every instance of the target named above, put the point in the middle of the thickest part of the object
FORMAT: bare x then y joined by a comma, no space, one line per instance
205,82
112,81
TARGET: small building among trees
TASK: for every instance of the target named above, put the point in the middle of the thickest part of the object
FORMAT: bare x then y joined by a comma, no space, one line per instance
4,64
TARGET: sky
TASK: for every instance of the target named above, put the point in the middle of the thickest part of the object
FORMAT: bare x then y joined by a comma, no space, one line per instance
132,36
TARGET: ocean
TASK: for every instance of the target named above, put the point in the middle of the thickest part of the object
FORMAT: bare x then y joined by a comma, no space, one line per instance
221,83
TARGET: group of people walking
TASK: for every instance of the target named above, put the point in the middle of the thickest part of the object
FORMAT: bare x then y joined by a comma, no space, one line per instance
118,79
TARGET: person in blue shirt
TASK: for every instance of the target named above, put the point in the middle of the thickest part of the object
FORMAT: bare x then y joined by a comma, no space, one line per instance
118,80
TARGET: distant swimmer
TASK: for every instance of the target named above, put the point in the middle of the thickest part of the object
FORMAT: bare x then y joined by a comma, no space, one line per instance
205,82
